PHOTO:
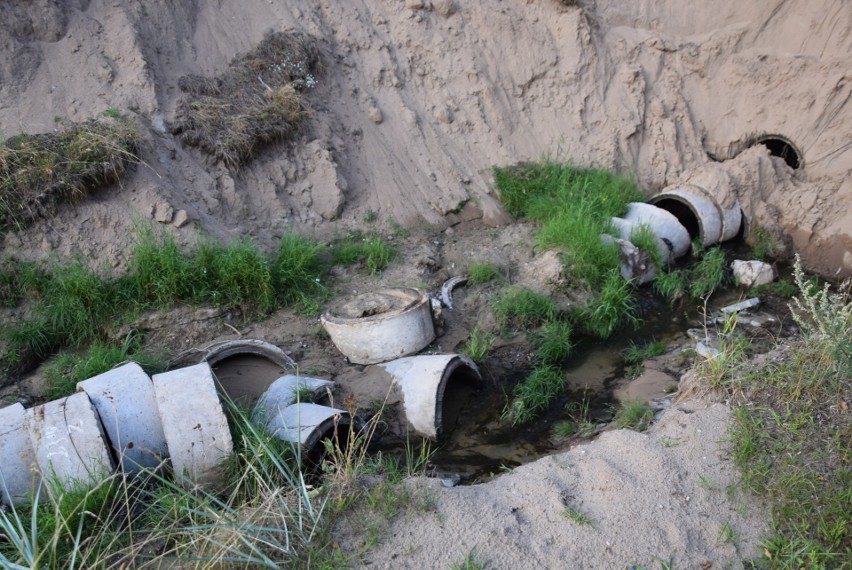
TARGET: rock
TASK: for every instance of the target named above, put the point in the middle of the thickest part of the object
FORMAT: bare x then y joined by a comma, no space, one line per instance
375,114
445,8
444,116
752,273
449,480
181,219
415,4
706,351
741,306
163,213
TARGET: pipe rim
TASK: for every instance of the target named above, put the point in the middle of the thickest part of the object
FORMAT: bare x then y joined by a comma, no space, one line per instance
417,300
457,362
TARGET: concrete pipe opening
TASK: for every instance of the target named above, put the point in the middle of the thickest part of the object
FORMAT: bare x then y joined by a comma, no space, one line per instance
783,148
380,326
310,425
246,368
700,213
433,389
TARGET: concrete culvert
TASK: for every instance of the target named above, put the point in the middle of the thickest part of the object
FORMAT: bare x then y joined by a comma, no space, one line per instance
424,382
309,425
663,224
17,479
380,326
700,213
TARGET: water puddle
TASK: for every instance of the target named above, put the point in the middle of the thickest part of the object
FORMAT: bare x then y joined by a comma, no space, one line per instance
244,377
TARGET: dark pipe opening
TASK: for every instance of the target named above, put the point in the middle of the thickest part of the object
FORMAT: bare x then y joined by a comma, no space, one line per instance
338,434
783,149
461,387
683,213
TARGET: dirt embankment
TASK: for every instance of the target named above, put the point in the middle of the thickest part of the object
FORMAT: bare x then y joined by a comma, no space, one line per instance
419,99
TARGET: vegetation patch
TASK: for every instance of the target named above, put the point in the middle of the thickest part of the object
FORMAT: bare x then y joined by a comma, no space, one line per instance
534,394
478,345
633,414
482,272
371,251
522,308
792,435
257,100
39,172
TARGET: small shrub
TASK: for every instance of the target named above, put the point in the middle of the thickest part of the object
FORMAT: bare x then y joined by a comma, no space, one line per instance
482,272
534,394
612,309
523,308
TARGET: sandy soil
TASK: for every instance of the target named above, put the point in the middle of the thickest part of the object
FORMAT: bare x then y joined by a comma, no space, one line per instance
418,100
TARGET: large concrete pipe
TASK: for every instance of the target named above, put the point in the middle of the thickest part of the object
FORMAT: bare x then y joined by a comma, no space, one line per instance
194,422
124,399
706,203
219,351
380,326
284,392
663,224
68,441
423,381
18,474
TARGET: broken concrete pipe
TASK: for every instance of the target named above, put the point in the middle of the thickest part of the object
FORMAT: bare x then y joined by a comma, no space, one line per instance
663,224
124,399
284,416
423,381
380,326
219,351
700,213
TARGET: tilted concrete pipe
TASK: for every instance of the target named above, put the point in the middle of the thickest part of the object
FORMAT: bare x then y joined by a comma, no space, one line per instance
423,381
701,213
124,399
663,224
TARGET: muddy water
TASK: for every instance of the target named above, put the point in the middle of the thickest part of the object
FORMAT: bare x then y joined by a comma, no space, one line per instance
244,377
479,443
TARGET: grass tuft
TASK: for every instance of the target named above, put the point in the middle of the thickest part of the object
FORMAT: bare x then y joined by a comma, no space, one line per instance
553,343
637,354
633,414
371,251
478,345
39,172
612,309
534,394
482,272
523,308
257,100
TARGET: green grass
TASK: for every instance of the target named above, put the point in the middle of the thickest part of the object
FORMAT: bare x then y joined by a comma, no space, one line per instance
534,394
522,308
613,308
577,517
478,345
72,306
471,562
38,172
671,286
370,251
637,354
553,343
573,206
792,433
708,274
578,423
62,375
482,272
633,414
764,245
783,288
643,237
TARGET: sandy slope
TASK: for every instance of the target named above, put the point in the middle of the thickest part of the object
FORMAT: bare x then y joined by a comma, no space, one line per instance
659,497
419,99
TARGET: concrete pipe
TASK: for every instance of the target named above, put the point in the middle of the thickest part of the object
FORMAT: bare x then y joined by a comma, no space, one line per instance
664,225
699,212
284,392
217,352
309,425
380,326
636,265
625,231
68,441
194,422
423,381
18,476
124,399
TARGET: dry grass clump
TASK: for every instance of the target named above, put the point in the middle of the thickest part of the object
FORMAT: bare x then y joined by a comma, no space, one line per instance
256,100
38,172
